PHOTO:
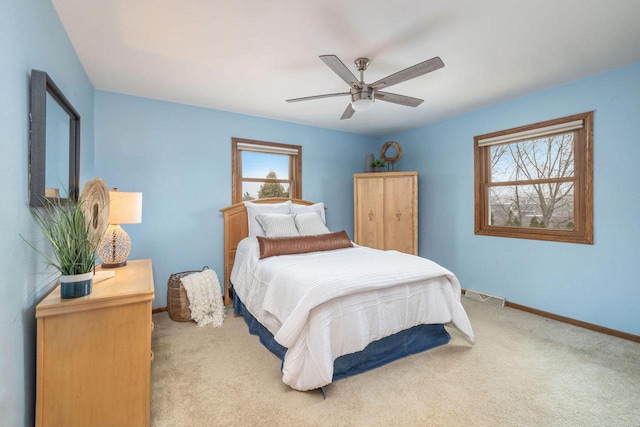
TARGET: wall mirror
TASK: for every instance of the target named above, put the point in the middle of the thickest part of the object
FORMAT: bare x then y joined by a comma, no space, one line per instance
54,146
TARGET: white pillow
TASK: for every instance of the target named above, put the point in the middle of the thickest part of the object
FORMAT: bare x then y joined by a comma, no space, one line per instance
278,225
253,209
316,207
310,224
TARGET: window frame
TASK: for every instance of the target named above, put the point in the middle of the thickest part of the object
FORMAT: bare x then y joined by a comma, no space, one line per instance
295,166
583,184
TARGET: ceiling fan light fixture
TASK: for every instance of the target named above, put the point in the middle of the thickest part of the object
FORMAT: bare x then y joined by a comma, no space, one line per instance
362,104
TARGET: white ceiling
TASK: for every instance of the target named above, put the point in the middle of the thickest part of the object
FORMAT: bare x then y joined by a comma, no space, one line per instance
248,56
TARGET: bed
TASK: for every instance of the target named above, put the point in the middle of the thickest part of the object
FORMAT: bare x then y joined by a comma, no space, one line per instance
329,308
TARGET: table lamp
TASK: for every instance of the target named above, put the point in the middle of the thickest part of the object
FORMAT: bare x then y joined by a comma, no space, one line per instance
115,246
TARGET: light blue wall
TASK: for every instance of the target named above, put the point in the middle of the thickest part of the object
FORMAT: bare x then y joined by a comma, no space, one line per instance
31,36
593,283
179,157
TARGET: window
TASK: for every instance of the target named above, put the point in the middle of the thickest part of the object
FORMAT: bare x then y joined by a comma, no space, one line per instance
263,170
536,181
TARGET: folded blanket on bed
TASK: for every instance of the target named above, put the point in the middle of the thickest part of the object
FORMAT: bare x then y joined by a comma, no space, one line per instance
205,298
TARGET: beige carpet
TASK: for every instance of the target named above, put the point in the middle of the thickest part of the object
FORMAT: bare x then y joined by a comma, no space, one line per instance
524,370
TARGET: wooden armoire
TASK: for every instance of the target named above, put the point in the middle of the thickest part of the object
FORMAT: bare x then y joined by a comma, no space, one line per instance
386,210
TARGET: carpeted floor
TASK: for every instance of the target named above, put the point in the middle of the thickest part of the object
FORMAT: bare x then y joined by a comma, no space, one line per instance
524,370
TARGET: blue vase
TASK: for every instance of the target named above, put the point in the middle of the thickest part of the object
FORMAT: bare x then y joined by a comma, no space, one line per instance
368,159
78,285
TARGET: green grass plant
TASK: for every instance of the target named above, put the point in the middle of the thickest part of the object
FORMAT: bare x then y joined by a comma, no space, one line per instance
64,225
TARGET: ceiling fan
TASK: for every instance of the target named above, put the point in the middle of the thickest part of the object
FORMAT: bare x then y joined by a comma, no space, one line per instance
363,95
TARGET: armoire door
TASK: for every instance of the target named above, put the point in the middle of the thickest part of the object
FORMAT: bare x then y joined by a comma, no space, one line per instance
369,212
400,214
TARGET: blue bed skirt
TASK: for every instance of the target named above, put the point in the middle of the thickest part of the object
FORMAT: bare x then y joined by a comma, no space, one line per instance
410,341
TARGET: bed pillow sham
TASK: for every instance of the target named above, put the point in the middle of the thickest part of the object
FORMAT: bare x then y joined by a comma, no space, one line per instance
278,225
253,209
316,207
310,224
303,244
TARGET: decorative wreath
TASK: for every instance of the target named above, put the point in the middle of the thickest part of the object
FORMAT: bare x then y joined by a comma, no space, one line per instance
385,147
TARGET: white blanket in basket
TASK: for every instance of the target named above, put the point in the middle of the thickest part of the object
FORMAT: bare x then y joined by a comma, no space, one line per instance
205,298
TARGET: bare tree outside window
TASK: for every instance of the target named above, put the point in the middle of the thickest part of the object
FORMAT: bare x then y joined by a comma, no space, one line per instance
544,171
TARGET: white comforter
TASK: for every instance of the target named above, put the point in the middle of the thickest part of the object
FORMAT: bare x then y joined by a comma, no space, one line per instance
323,305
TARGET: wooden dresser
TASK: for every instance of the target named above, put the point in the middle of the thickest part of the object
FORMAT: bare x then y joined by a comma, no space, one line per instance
386,210
94,353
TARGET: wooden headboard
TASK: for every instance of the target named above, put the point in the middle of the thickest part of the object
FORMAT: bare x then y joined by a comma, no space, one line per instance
236,228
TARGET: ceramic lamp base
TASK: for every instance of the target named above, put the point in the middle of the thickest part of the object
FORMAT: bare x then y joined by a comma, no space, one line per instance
114,247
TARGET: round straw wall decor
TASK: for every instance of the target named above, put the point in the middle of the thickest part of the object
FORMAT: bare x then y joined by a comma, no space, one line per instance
95,206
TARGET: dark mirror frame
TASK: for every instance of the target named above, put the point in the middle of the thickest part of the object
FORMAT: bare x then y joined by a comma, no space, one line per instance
41,85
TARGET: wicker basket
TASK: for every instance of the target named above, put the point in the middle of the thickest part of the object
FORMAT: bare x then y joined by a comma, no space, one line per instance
177,299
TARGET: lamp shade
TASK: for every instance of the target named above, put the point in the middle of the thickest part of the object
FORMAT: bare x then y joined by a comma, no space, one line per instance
125,207
115,246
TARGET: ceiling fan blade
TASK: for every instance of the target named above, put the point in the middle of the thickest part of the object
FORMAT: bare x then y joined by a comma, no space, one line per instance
409,73
341,70
348,112
398,99
328,95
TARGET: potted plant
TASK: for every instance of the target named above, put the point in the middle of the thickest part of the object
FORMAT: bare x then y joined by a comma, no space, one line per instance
74,246
377,165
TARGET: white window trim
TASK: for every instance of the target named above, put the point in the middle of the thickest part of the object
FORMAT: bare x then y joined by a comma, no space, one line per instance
270,149
532,134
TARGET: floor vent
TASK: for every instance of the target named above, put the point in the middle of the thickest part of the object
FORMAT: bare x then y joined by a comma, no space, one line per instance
483,297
